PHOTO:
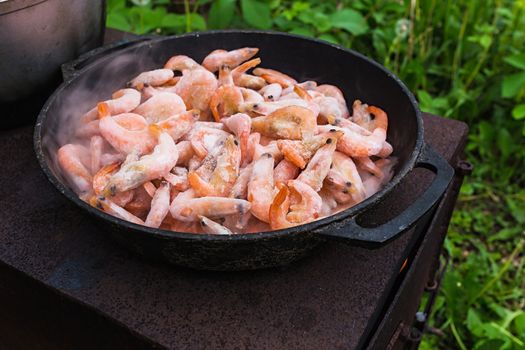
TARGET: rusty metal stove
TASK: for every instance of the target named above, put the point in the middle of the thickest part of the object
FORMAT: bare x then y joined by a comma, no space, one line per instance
65,284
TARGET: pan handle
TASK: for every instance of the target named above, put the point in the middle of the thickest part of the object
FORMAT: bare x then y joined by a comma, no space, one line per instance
428,159
72,68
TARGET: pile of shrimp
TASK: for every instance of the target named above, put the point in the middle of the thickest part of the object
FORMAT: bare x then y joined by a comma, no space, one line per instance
216,149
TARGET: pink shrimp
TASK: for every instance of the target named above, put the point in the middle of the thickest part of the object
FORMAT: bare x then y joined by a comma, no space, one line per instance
310,206
178,178
204,139
305,95
300,152
140,203
329,203
152,166
250,82
154,78
292,122
360,114
150,188
239,189
123,101
346,167
367,164
88,129
318,167
70,160
265,108
271,148
227,98
160,107
329,107
240,124
101,179
180,124
253,141
373,183
233,58
212,207
332,91
110,207
251,96
125,140
279,208
271,92
160,206
212,125
224,174
196,86
185,152
96,146
150,91
358,145
273,76
212,227
260,187
285,171
242,79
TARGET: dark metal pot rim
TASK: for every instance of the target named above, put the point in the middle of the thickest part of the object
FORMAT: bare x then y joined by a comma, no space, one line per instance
338,219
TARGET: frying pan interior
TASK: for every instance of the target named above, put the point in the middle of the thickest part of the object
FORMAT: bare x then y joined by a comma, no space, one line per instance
304,59
301,58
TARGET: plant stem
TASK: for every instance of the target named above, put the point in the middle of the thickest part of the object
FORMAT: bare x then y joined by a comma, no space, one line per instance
500,273
456,335
188,15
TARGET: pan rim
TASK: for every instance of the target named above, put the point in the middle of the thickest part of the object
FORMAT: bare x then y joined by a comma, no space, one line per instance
339,218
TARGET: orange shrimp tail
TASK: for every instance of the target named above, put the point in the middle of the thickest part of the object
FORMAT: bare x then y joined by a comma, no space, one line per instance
201,187
244,147
172,82
199,149
291,153
279,208
381,119
155,130
214,106
103,110
243,68
302,93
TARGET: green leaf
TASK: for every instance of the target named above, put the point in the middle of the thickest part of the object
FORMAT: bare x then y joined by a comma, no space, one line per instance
517,61
518,112
118,20
316,18
256,13
505,234
512,84
114,5
474,323
302,31
221,14
505,142
517,209
519,324
329,37
197,22
173,21
489,344
349,20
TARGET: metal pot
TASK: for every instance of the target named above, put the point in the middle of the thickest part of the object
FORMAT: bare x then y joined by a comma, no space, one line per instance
306,59
37,36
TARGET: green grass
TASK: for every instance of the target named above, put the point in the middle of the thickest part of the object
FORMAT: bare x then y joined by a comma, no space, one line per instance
464,59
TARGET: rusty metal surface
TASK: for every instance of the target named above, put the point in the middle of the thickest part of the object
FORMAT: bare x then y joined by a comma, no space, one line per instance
404,303
326,300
